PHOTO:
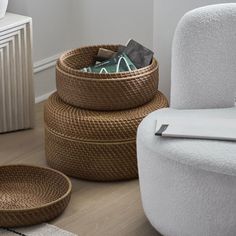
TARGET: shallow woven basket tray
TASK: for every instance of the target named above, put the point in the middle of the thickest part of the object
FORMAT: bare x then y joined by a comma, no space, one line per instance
94,145
113,91
30,195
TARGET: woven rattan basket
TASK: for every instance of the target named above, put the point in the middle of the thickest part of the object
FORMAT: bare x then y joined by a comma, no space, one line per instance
94,145
114,91
31,195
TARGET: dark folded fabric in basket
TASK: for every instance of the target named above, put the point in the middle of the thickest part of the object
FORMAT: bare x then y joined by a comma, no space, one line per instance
138,54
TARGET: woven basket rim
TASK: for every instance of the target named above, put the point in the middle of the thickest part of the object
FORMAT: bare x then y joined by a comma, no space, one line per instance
68,53
121,113
134,76
44,205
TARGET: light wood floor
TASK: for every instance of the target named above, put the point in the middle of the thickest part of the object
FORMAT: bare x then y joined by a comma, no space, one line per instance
96,209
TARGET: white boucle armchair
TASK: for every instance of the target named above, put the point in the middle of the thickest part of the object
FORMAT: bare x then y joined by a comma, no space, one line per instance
188,187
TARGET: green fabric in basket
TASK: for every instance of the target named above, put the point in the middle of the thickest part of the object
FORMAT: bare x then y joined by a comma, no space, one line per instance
119,63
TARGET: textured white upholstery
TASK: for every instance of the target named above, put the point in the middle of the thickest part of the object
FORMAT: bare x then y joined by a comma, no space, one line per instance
188,187
204,58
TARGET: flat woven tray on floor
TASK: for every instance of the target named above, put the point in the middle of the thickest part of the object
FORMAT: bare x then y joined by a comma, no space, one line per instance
30,195
94,145
113,91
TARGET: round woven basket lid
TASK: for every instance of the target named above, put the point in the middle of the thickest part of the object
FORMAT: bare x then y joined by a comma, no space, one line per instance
75,123
31,195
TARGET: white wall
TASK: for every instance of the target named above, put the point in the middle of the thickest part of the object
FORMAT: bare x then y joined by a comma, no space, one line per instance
110,21
166,16
59,25
51,21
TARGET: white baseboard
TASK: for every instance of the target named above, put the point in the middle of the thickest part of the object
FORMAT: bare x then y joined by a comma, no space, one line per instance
46,63
43,97
41,66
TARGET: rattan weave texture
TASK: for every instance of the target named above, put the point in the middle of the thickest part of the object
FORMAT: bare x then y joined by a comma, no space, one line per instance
114,91
94,145
31,195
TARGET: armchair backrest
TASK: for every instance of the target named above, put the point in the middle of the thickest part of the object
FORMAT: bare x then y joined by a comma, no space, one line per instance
203,73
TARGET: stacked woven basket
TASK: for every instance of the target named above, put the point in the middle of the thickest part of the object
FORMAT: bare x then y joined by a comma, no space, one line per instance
91,122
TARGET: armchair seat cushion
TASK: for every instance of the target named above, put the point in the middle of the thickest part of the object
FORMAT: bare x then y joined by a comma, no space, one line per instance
211,155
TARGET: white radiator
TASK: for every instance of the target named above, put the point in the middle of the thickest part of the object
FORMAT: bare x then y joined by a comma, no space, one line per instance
16,76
